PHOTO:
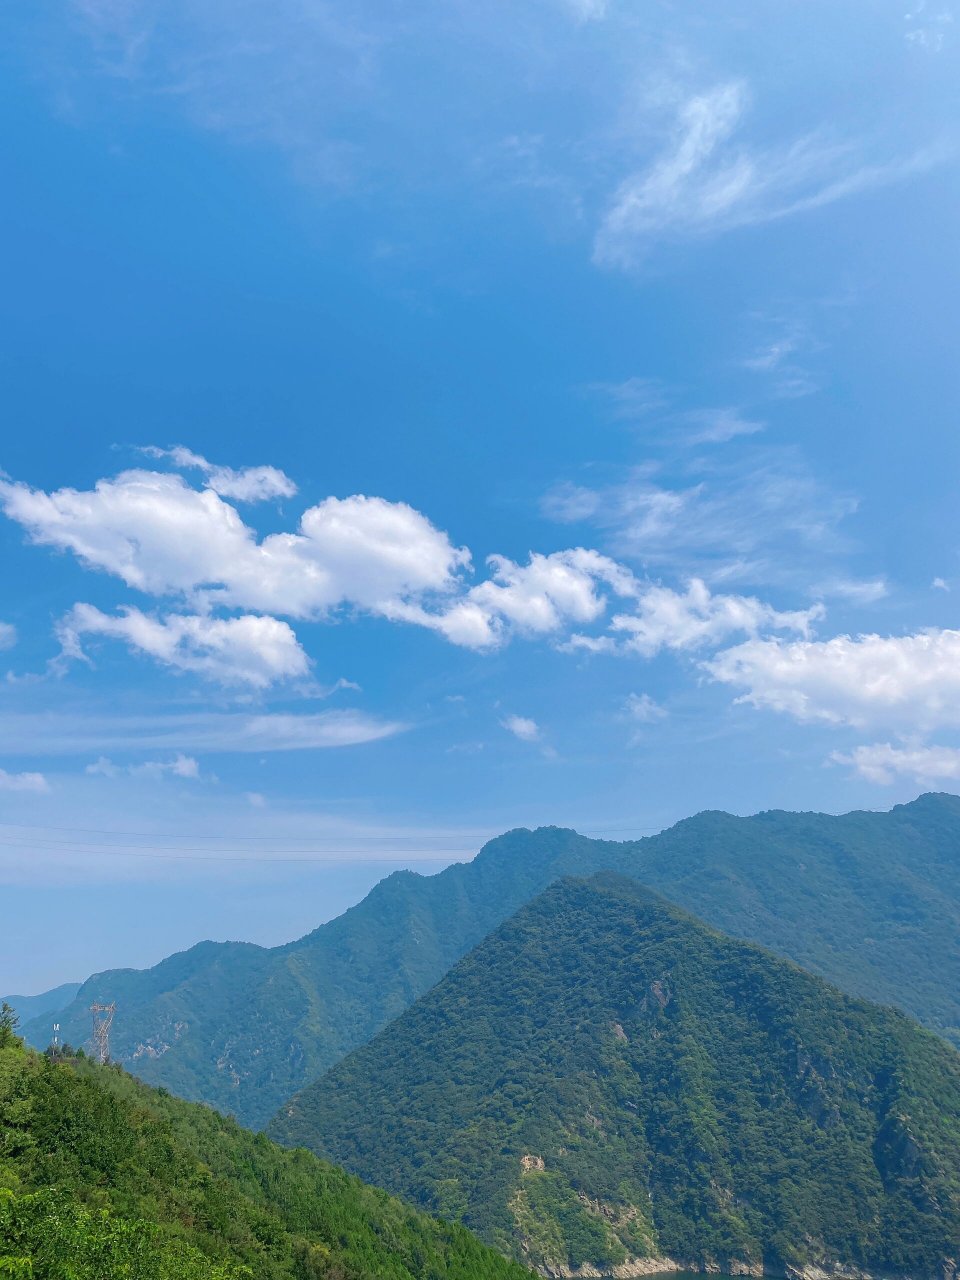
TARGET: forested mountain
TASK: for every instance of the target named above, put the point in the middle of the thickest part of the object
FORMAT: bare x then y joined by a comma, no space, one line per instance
869,900
101,1178
606,1079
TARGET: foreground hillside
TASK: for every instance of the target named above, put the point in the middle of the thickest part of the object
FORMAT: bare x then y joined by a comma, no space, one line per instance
606,1080
102,1178
869,900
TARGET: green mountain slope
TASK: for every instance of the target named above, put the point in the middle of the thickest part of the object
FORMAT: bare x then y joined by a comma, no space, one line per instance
101,1178
606,1079
869,900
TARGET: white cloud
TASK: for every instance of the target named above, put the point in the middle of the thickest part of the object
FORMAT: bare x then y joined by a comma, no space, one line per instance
23,782
255,799
690,620
940,584
8,635
157,534
704,183
521,727
251,484
180,766
228,732
539,598
642,709
883,763
718,426
908,682
256,651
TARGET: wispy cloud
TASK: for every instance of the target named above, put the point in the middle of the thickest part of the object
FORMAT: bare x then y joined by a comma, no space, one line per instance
704,181
718,426
229,732
761,518
8,635
633,397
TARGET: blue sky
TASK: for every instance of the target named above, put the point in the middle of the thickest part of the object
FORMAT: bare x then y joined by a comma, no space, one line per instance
426,420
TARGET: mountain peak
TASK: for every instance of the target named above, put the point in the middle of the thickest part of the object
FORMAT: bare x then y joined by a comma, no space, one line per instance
606,1084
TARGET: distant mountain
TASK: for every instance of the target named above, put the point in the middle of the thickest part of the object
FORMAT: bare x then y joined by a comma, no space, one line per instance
101,1178
605,1081
869,900
48,1002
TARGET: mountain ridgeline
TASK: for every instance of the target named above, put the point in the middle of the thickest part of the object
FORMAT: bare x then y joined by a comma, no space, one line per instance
607,1085
870,901
102,1178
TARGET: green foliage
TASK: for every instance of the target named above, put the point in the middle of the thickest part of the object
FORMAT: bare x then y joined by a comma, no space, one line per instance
870,901
54,1237
101,1178
8,1026
606,1077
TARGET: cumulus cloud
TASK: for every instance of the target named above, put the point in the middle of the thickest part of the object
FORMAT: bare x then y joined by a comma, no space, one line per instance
704,182
251,484
250,650
23,782
165,538
883,763
8,635
159,535
180,766
689,620
521,727
910,682
545,595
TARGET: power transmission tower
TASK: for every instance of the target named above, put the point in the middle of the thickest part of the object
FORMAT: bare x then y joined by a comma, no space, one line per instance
102,1019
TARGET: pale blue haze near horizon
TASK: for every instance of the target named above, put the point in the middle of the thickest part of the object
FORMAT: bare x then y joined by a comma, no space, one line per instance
311,309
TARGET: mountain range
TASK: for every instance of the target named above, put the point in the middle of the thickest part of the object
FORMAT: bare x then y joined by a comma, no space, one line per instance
870,901
606,1085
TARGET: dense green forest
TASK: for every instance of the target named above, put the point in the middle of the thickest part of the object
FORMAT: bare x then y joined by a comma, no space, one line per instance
103,1178
606,1078
869,900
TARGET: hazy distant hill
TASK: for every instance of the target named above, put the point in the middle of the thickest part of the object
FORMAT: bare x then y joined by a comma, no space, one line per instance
606,1079
47,1003
101,1178
869,900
